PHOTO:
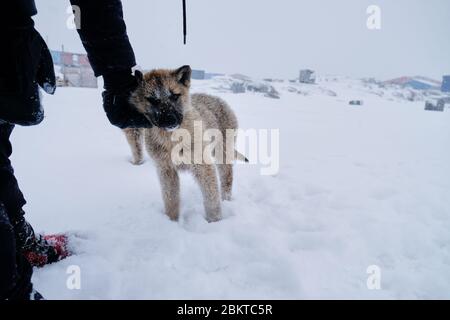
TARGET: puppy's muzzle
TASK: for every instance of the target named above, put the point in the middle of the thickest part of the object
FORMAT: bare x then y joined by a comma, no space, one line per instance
167,120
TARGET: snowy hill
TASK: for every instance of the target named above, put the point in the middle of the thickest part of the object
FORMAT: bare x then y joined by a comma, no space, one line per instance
357,186
333,86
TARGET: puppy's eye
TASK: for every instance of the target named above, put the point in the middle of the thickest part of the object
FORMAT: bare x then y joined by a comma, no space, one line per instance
152,100
175,97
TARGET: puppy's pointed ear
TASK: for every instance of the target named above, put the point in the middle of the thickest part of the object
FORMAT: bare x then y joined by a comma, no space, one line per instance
139,76
183,75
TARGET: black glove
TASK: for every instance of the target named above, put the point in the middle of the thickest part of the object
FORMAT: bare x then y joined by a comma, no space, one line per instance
25,63
118,89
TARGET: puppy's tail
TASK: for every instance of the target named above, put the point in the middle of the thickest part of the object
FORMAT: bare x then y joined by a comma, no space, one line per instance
239,156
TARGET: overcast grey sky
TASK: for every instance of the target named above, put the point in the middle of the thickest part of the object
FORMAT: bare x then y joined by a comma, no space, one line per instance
268,38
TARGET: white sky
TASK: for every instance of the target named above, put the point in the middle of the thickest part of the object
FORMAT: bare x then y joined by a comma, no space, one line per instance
269,38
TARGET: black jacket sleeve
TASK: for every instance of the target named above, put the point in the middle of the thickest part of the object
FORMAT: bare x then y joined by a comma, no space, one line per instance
25,7
104,36
16,14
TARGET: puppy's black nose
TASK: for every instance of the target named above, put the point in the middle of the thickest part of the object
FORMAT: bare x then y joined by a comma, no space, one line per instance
169,120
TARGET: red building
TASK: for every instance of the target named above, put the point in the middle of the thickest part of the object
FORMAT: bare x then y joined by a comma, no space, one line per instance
74,69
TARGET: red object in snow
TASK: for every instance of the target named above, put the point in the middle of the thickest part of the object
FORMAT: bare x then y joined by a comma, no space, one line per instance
58,242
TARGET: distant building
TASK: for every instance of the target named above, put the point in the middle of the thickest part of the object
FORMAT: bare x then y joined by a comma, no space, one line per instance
445,84
238,87
356,102
307,76
74,69
418,83
198,74
439,106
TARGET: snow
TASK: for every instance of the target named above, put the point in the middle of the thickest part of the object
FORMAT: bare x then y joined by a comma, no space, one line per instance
357,186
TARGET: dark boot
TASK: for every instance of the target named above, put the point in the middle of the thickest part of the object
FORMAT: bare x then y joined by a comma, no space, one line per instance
36,295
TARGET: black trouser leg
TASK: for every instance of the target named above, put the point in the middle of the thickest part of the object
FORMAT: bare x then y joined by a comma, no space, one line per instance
10,194
15,271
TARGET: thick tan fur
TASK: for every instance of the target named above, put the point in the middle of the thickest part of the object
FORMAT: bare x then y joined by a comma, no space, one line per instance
214,113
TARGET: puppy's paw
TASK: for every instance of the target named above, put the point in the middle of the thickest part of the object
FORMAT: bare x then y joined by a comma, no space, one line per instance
226,196
173,216
214,218
137,162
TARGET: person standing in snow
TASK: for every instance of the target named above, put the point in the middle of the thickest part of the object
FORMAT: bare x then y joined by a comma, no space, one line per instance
25,64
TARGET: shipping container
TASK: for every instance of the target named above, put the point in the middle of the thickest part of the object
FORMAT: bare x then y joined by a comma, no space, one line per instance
446,84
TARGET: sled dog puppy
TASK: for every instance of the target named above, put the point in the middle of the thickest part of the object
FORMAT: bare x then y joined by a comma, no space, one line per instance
163,97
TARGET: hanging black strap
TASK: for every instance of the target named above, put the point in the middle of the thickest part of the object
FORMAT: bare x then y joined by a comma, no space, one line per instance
184,22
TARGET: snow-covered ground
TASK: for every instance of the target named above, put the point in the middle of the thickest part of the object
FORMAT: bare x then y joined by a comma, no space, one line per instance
357,186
